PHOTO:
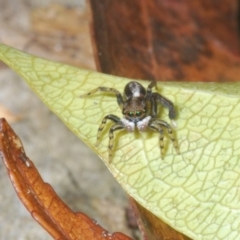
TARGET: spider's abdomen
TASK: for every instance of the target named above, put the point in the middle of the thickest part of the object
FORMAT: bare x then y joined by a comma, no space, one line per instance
134,89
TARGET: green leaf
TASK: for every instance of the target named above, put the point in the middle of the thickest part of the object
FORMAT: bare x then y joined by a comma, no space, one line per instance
196,192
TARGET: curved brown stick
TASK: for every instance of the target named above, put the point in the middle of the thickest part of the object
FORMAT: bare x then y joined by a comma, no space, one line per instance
41,200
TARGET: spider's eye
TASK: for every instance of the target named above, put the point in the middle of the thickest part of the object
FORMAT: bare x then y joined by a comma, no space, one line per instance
131,114
138,113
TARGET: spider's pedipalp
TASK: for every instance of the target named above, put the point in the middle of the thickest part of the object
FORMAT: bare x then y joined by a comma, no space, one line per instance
142,125
101,127
128,125
117,126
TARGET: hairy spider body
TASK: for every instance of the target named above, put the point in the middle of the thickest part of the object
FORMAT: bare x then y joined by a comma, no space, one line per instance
139,108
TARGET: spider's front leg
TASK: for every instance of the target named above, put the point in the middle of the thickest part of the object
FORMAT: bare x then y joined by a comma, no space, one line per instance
159,129
117,126
111,117
107,89
157,125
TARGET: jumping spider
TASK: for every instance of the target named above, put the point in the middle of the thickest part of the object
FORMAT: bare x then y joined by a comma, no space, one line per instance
139,107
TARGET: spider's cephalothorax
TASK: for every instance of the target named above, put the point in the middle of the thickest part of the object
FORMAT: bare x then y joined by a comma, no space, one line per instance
139,107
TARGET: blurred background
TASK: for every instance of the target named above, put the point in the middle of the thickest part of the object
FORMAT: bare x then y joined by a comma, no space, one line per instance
57,30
